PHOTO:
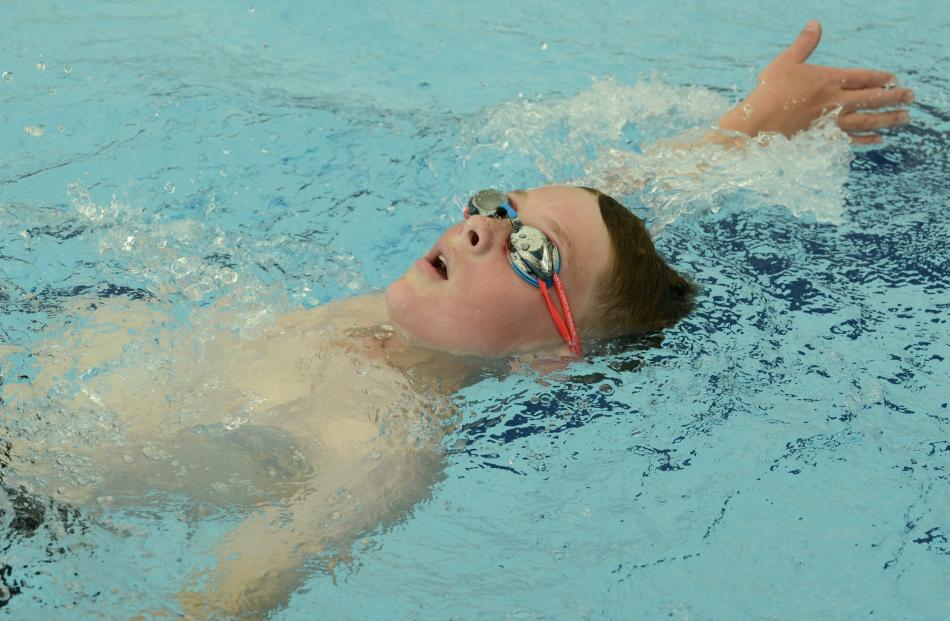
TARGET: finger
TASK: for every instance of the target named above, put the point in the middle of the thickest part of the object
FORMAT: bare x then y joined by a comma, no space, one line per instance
871,98
863,78
856,122
866,139
803,45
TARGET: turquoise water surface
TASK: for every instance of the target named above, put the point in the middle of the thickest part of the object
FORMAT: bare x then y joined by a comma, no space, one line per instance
782,454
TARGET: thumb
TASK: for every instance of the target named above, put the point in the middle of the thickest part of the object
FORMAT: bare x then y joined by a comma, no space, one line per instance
803,45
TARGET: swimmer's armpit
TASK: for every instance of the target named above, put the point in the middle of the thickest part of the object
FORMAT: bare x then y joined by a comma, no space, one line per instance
792,94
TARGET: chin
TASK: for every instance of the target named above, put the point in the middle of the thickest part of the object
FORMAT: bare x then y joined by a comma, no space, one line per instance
397,301
423,325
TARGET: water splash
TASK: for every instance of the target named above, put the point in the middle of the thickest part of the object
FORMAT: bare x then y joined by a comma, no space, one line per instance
556,132
630,139
805,174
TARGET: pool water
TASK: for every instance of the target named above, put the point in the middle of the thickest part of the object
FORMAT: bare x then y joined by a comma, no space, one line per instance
782,453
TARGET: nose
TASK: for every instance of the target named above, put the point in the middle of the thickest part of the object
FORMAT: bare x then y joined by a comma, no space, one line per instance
481,234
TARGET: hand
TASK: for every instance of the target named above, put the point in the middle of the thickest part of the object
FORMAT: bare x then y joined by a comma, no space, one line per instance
791,94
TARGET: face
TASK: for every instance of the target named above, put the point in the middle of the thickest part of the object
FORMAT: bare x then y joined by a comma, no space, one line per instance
479,305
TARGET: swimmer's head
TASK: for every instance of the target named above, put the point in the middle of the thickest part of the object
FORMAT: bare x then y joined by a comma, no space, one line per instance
478,304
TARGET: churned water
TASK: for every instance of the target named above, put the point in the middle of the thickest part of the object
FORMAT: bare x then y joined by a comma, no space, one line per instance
781,454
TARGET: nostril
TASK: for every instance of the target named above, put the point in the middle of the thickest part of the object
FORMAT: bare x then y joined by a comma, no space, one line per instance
473,237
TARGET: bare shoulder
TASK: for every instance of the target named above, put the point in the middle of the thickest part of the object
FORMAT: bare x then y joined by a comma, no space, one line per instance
360,311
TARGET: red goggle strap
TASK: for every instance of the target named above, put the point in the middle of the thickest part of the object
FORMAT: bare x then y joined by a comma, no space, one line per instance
575,341
567,330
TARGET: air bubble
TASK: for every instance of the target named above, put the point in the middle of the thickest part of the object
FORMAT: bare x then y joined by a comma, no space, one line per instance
170,187
233,422
227,275
34,130
41,66
544,46
67,69
181,267
606,389
7,75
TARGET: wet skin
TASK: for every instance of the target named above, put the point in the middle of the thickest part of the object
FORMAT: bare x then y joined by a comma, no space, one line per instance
478,304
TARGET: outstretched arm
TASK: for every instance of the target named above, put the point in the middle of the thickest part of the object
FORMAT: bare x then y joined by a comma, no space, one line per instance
262,561
791,94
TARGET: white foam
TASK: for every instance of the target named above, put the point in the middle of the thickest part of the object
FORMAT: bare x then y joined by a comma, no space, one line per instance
805,174
591,132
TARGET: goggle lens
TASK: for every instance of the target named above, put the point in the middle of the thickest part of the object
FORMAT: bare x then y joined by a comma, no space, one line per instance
490,204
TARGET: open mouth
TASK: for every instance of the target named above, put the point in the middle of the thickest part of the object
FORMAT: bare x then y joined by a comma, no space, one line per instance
438,262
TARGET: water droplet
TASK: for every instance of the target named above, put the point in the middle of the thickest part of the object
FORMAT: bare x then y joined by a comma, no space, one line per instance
7,75
170,187
155,453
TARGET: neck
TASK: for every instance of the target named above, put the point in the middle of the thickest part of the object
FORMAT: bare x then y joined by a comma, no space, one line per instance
367,328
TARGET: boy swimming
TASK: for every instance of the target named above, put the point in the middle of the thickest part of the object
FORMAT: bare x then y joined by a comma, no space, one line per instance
353,392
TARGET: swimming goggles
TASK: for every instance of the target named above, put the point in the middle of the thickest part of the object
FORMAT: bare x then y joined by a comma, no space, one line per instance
533,257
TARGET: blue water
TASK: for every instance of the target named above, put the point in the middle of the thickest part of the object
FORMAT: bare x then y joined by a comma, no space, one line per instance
783,453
